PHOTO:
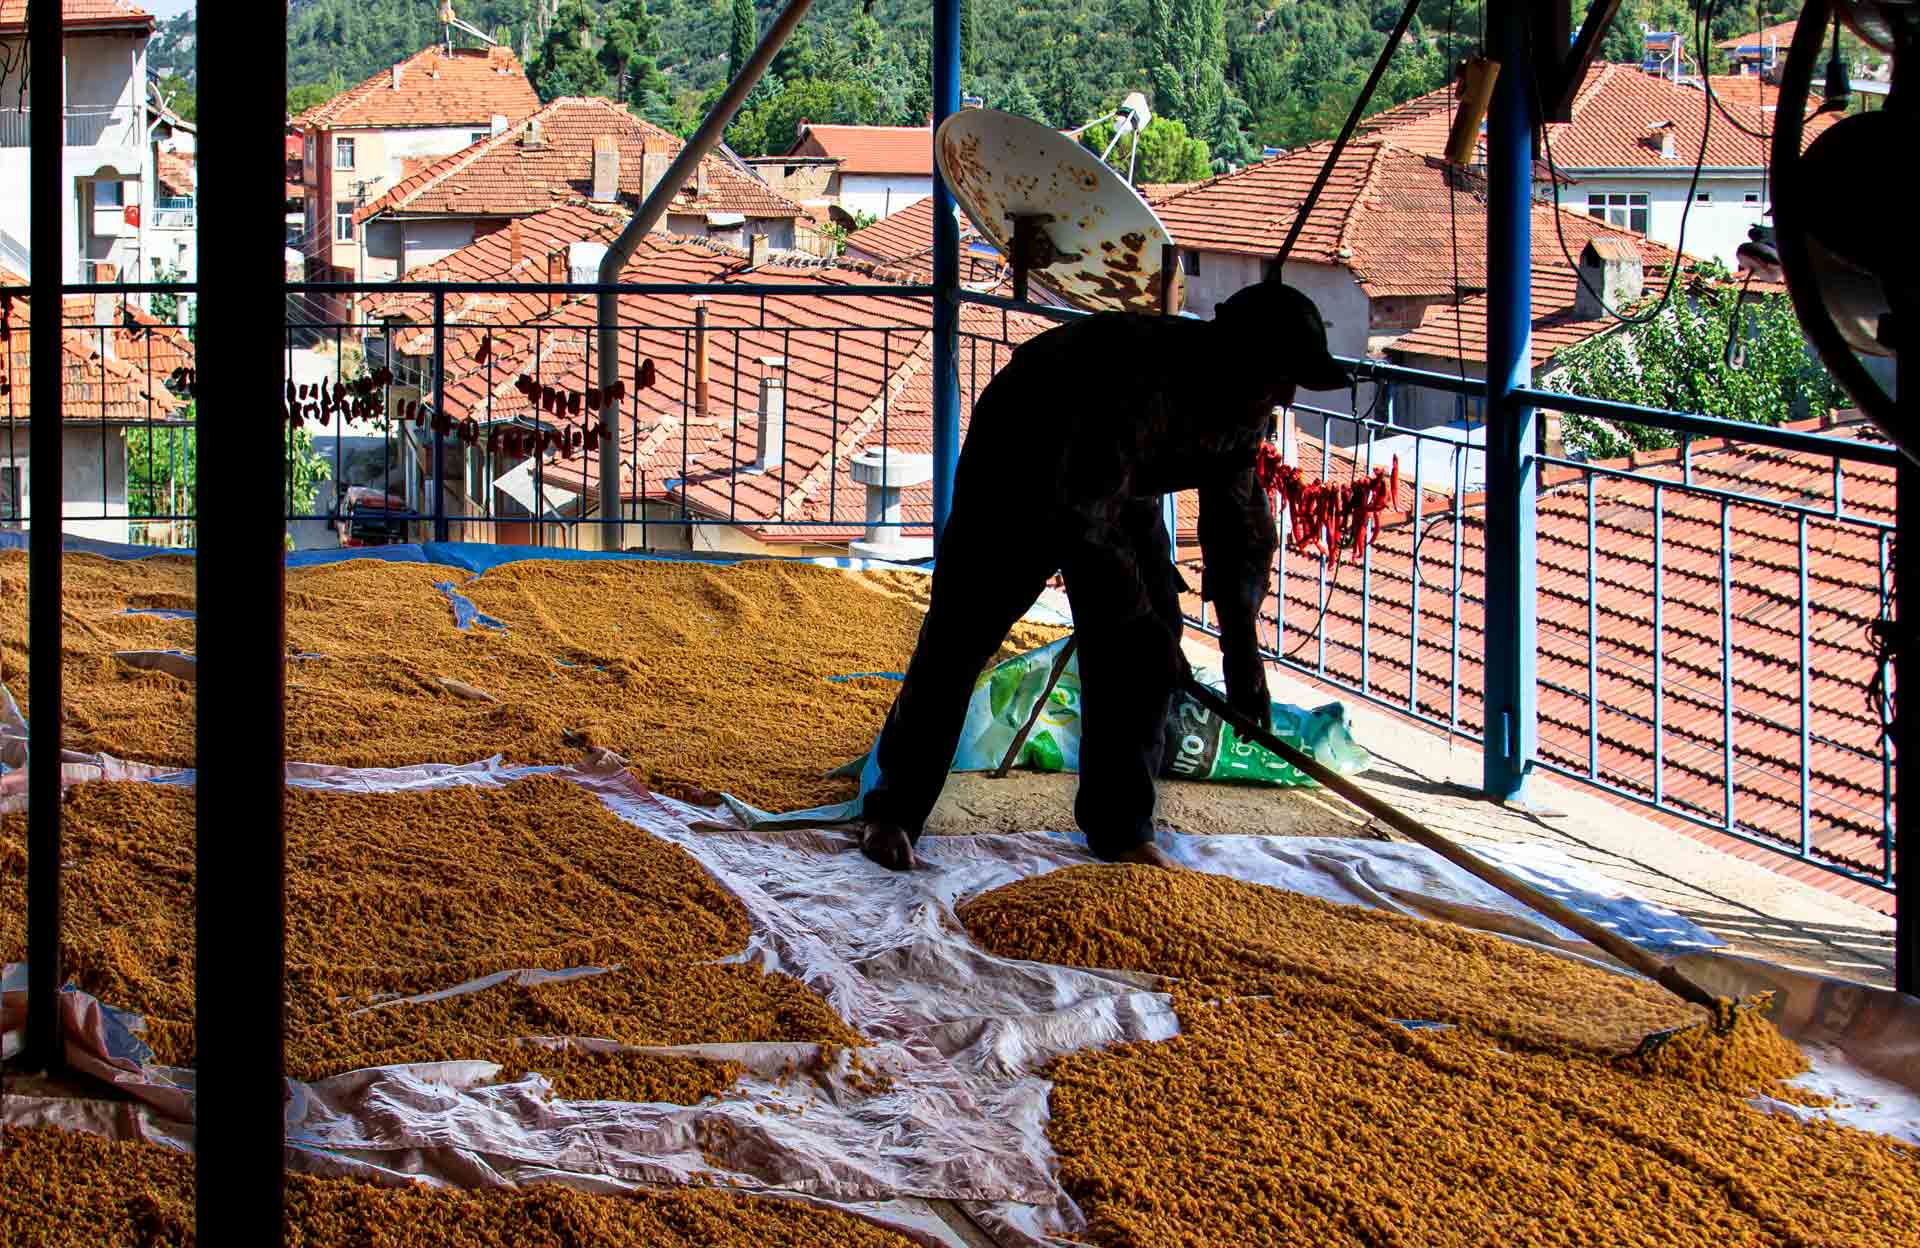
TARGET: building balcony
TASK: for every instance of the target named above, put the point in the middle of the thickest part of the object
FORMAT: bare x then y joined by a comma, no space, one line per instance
116,126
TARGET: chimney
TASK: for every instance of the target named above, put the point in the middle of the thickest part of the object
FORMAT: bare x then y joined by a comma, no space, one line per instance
1663,132
759,249
1611,267
700,180
516,246
583,262
654,160
106,312
702,373
534,136
556,273
497,124
398,70
771,441
800,131
887,474
606,169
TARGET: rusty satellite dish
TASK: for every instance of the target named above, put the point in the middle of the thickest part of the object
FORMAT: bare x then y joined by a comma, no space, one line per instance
1085,235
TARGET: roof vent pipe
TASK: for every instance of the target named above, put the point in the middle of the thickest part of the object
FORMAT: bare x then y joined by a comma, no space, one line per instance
702,374
651,210
887,474
770,441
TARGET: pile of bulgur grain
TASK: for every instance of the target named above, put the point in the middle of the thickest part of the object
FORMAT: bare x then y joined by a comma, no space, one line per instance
414,892
694,672
68,1189
1296,1108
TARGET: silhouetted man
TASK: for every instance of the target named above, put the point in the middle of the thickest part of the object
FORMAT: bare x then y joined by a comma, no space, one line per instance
1071,448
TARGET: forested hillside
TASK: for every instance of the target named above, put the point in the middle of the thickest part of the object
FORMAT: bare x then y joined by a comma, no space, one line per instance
1235,74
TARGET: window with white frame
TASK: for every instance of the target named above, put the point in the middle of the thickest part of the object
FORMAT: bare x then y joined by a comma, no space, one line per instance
309,155
343,153
1627,208
108,194
1753,197
343,221
1190,262
1703,197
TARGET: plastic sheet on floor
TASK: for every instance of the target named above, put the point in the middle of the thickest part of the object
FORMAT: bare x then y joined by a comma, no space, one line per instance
961,1034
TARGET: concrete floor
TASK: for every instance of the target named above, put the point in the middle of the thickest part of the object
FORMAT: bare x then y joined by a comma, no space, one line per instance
1754,910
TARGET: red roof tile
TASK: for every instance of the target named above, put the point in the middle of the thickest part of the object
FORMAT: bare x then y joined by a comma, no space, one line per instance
1397,219
127,388
99,13
1780,33
1846,780
175,172
870,149
504,175
467,88
1618,118
906,238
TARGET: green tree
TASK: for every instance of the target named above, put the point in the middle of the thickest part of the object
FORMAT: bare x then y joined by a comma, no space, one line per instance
742,38
1167,152
312,95
630,42
178,94
566,63
1020,100
163,469
1064,94
968,44
773,126
1678,361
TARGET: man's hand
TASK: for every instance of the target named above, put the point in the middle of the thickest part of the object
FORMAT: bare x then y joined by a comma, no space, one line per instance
889,845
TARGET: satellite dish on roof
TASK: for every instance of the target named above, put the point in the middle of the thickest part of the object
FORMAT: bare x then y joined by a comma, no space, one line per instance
1056,212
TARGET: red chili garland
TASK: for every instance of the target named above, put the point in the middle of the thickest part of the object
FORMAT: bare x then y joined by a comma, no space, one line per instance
1328,518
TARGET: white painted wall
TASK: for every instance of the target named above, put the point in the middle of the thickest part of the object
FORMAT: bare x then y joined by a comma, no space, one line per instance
93,474
1715,229
881,195
103,72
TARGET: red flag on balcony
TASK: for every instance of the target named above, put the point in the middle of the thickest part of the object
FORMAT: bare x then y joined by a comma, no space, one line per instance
132,215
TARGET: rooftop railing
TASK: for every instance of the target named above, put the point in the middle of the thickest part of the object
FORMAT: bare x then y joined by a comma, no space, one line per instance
1706,642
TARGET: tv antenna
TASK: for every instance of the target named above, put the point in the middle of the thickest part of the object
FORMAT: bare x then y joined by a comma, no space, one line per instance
1059,214
452,21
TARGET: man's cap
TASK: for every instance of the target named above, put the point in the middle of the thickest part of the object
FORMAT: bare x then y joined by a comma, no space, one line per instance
1291,322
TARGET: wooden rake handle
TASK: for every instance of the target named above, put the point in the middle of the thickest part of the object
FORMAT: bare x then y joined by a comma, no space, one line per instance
1521,891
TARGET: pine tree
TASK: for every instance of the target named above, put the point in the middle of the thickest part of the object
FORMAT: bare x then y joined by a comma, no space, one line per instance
565,63
966,39
1020,100
1065,97
745,36
631,41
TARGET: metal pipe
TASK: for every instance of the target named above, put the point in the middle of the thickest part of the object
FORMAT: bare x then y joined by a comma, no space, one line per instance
1510,697
621,250
47,132
946,275
702,373
240,718
439,407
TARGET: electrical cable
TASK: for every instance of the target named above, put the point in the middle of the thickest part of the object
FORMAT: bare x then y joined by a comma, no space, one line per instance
1703,20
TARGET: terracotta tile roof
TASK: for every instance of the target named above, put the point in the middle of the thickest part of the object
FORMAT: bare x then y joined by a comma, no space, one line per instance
906,239
1781,33
467,88
1449,332
1843,759
129,388
871,149
174,172
503,176
1387,214
106,13
855,365
1618,118
1156,193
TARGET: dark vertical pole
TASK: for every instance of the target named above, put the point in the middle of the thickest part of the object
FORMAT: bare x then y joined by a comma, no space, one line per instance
49,192
241,727
946,275
1510,694
439,418
1906,724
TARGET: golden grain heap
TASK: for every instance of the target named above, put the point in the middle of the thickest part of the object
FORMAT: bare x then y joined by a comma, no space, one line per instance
1293,1109
405,893
693,671
67,1189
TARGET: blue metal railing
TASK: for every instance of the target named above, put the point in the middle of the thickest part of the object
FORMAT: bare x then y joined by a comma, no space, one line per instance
1697,690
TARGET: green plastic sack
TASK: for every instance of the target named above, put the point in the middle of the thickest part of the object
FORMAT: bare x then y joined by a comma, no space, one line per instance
1199,745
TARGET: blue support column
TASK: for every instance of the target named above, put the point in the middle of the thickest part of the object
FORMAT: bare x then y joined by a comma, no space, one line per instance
1510,691
946,275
